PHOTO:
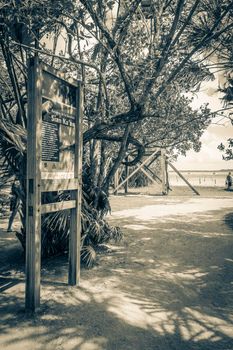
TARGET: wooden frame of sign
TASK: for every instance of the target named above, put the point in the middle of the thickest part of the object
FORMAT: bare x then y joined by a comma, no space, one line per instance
54,163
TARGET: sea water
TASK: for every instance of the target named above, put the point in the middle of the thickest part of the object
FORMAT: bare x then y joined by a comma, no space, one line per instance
199,178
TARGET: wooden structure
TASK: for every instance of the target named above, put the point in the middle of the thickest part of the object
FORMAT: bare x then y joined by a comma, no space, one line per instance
54,128
144,166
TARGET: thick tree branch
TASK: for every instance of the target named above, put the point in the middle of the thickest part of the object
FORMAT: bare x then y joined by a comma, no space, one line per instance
14,82
123,21
118,160
116,122
177,70
165,52
205,40
140,149
115,49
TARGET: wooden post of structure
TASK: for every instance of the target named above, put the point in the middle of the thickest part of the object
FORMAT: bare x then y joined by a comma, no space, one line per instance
167,175
184,179
126,176
75,219
33,203
163,171
116,182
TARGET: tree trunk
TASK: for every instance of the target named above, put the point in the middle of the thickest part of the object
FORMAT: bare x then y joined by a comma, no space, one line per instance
118,160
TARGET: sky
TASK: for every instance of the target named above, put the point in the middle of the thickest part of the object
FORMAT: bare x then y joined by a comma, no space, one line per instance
209,157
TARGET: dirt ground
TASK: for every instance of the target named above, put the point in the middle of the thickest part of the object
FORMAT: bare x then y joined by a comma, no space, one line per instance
168,285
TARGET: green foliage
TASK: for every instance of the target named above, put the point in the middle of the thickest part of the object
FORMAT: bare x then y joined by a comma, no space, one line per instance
227,149
228,101
227,98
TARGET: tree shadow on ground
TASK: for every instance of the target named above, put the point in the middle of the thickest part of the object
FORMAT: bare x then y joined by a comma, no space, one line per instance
74,319
229,220
166,288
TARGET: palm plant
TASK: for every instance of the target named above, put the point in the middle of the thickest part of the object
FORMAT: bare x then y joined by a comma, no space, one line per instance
55,226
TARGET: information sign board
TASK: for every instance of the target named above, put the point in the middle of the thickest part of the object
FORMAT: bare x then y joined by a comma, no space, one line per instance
54,163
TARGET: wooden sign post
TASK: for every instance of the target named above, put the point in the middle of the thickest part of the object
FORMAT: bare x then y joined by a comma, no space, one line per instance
54,163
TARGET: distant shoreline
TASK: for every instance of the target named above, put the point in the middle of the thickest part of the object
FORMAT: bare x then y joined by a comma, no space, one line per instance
203,171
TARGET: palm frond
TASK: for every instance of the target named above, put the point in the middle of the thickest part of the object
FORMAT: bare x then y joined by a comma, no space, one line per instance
88,255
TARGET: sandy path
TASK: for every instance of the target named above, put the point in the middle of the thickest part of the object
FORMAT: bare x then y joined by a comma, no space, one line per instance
166,286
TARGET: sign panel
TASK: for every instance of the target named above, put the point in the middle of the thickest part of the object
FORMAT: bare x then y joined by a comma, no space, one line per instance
59,110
